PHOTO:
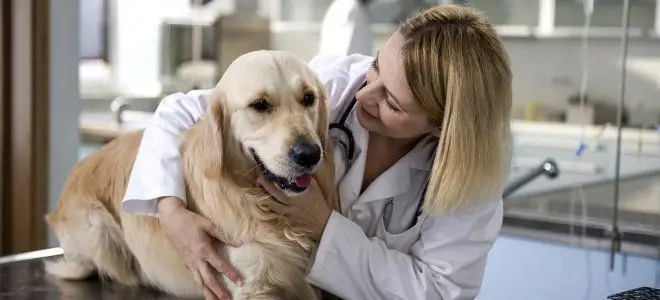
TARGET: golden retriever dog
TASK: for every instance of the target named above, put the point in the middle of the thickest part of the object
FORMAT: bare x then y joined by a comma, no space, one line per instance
268,117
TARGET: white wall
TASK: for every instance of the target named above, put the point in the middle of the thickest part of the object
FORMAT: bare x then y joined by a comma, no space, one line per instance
65,104
549,70
135,43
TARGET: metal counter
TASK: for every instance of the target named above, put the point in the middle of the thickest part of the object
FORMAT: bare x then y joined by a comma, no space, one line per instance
22,276
557,216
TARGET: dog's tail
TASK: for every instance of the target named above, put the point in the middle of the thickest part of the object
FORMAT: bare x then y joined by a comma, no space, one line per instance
60,268
92,241
68,270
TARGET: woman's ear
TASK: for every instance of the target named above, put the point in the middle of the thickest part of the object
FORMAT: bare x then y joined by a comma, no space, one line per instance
436,131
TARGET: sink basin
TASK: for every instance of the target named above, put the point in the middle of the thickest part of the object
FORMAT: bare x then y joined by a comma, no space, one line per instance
102,125
639,203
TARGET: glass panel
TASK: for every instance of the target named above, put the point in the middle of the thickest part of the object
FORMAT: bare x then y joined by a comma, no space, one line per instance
507,12
607,13
639,201
549,124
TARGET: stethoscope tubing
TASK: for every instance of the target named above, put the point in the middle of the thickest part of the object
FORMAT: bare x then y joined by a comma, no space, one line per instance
350,151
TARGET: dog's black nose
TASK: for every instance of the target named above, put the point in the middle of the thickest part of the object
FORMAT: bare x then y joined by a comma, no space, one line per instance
305,153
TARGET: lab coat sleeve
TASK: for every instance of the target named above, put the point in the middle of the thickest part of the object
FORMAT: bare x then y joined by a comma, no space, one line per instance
338,73
332,71
157,171
346,29
447,262
338,38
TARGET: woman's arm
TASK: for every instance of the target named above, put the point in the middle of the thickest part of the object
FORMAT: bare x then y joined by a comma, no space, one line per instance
156,187
447,262
157,171
156,182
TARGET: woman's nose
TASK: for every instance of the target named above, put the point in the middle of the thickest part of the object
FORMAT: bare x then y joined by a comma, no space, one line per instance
370,94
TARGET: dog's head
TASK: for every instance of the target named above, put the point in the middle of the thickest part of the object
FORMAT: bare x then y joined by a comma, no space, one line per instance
273,104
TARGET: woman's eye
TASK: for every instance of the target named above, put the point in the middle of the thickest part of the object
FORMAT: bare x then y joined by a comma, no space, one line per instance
260,105
391,106
309,99
374,64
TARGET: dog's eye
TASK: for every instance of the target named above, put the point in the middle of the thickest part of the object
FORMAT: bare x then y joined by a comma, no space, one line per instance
308,99
260,105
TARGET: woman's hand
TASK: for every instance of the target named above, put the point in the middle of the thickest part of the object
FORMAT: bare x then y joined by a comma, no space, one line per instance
309,210
191,235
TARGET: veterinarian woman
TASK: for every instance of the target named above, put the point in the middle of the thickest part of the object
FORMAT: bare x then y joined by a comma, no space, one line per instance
430,129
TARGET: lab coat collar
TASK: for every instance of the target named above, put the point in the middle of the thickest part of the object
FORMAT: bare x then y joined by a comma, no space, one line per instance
421,157
396,180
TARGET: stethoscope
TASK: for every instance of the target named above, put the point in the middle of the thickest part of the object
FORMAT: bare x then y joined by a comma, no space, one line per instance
348,147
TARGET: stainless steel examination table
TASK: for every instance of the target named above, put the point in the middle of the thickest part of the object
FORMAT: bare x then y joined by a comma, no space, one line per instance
22,276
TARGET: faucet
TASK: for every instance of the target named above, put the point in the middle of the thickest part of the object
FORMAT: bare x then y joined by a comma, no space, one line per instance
117,107
548,168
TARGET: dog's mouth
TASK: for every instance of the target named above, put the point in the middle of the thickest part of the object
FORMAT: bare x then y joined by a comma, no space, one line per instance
295,185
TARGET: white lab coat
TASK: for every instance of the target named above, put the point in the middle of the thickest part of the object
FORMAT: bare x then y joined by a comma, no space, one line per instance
367,251
346,29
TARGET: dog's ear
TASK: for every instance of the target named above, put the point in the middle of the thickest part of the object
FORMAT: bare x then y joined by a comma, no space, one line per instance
216,127
216,108
326,173
323,118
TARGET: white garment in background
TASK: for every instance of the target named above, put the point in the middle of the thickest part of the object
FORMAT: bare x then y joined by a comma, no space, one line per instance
367,251
346,29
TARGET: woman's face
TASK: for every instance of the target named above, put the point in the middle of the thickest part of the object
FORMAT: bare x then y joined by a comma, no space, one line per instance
385,104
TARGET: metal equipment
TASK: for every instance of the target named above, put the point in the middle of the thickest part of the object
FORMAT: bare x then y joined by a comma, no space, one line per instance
548,168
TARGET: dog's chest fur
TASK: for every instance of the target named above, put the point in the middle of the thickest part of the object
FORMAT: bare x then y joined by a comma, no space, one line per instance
224,194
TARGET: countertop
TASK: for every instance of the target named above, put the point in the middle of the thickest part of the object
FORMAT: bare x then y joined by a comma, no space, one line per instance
22,276
102,127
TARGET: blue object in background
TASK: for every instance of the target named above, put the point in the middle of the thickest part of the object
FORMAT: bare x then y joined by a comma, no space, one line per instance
580,149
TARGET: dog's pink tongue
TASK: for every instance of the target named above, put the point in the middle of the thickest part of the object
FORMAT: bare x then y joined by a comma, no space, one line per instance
303,180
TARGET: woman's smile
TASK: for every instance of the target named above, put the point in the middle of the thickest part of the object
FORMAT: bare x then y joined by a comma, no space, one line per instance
363,111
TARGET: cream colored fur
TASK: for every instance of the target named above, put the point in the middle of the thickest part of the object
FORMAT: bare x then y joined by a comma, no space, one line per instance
97,235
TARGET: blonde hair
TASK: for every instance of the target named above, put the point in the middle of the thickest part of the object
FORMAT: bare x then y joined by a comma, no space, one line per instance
458,71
